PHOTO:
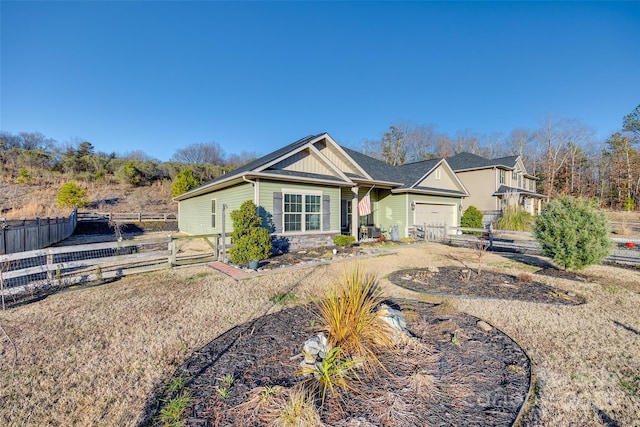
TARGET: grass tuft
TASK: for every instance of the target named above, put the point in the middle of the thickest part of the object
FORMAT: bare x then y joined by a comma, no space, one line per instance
173,412
284,298
333,375
298,411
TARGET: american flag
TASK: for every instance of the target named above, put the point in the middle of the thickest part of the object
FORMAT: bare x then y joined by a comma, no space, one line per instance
364,205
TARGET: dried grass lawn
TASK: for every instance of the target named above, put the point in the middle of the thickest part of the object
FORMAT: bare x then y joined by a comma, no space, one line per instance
94,356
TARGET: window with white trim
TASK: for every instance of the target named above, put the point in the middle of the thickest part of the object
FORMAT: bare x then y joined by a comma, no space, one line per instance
502,176
213,213
302,212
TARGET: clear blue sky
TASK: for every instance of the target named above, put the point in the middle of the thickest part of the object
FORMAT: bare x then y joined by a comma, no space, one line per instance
157,76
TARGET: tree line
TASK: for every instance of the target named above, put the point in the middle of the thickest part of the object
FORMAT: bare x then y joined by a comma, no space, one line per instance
562,153
24,155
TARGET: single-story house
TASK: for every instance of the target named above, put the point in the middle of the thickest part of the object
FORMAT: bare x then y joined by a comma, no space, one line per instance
493,184
309,191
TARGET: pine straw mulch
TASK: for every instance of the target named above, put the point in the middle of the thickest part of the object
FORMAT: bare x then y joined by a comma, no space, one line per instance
466,282
451,373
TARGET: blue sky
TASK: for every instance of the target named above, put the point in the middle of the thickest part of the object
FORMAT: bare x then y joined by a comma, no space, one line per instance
158,76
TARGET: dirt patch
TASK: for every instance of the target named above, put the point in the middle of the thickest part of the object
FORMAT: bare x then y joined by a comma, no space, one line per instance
457,281
452,370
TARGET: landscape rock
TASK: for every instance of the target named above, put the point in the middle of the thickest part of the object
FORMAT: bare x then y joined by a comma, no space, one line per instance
484,325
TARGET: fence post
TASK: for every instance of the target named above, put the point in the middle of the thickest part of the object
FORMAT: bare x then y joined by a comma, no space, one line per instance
172,255
490,236
50,268
444,232
139,216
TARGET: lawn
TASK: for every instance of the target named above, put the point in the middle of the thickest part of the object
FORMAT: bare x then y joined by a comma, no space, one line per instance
94,356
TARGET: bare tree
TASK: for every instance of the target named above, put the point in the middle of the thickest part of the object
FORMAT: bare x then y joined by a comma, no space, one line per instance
555,136
237,160
201,153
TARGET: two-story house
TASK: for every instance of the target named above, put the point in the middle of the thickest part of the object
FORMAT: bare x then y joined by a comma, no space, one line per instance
493,184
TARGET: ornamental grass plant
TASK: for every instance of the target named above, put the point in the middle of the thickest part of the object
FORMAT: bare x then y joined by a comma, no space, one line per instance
348,317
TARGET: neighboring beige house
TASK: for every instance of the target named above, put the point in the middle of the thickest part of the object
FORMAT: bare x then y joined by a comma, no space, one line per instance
493,184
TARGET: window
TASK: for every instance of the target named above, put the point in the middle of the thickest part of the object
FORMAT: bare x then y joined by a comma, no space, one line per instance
213,213
514,175
292,212
302,212
502,176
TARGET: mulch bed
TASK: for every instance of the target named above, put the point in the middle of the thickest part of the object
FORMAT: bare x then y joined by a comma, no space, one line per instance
457,281
452,373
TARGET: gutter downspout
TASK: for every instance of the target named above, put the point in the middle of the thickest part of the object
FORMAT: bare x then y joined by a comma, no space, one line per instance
255,189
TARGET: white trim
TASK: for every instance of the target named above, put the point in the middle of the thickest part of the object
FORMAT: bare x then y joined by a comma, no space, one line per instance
301,191
213,215
303,213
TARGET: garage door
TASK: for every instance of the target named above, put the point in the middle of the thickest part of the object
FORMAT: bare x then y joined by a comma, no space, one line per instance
432,214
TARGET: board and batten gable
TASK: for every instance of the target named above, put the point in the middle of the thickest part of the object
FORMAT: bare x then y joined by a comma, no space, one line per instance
267,189
195,215
442,177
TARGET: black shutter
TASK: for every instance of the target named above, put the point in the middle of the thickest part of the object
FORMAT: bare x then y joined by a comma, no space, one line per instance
277,212
326,213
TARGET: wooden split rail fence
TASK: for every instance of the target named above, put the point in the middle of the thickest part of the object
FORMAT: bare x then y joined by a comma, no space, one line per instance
58,267
128,217
625,250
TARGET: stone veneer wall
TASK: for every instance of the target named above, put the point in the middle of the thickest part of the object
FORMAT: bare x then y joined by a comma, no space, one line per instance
308,240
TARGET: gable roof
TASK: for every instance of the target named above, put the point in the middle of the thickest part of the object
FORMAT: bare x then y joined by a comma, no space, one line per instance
365,170
467,161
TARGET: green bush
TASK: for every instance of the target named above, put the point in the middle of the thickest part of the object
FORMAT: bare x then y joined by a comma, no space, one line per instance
24,176
515,219
183,182
71,195
573,233
342,240
129,173
471,218
251,242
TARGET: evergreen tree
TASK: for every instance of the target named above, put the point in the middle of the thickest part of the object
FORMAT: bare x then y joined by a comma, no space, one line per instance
573,233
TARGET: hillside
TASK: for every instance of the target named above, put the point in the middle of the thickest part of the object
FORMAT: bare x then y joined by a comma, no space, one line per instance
38,198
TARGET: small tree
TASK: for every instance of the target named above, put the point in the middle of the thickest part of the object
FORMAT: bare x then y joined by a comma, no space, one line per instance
70,195
183,182
251,241
471,218
573,233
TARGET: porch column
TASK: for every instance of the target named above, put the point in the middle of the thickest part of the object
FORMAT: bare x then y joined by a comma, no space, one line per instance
354,213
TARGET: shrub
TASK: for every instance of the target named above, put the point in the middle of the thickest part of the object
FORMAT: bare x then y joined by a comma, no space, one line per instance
515,219
251,241
24,176
573,233
348,316
71,195
471,218
342,240
183,182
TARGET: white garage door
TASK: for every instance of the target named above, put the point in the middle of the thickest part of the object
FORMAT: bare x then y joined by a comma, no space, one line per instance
431,214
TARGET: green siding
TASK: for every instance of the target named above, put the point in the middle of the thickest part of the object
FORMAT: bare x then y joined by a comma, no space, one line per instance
391,211
267,188
195,213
